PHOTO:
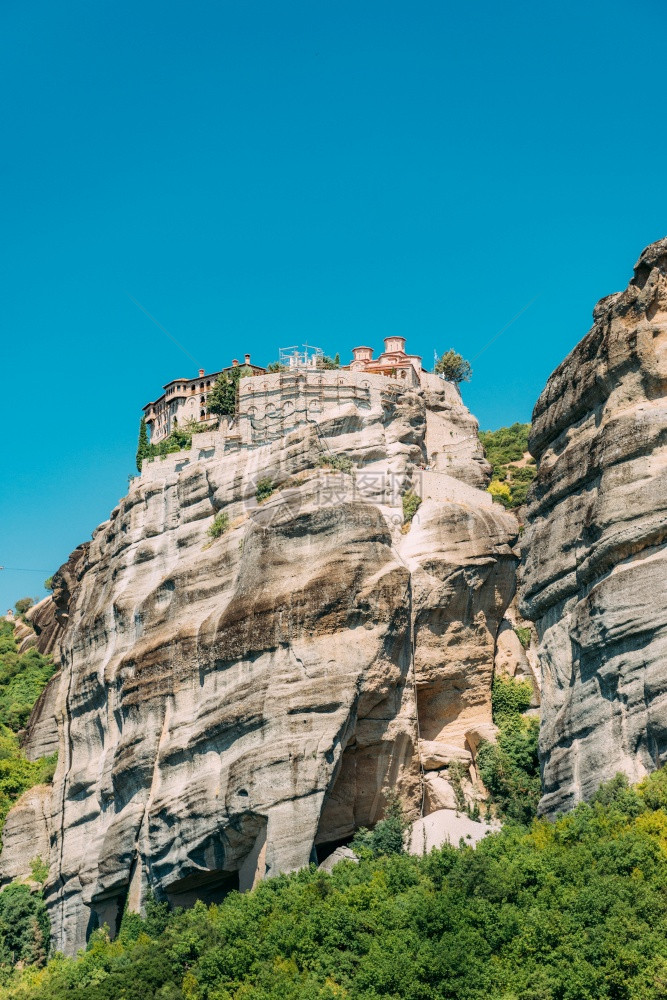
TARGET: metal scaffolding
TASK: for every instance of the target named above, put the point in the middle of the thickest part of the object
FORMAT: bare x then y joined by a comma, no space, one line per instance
306,357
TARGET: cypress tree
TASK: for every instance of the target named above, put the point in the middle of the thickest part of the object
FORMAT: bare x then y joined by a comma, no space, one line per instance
143,447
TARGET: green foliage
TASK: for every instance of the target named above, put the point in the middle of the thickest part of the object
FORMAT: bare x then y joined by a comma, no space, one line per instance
23,605
509,444
48,583
39,870
456,772
653,790
276,366
220,524
500,492
22,680
339,462
265,487
509,483
389,834
411,504
510,768
223,397
509,698
180,439
143,446
329,364
524,636
575,910
24,926
453,367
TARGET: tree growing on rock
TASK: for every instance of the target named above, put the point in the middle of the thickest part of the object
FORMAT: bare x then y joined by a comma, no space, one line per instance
453,367
143,446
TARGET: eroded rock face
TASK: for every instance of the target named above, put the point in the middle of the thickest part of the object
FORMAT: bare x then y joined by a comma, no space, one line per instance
595,570
227,708
26,834
48,621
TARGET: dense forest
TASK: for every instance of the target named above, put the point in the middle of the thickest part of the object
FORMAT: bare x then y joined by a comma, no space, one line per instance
572,910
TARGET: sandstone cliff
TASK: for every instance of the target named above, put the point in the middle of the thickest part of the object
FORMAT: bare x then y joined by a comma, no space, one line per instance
595,565
231,708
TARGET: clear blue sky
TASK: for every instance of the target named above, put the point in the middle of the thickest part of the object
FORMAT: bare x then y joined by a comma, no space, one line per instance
258,174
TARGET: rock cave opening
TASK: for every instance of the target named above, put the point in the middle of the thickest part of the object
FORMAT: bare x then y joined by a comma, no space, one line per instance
107,911
323,850
207,886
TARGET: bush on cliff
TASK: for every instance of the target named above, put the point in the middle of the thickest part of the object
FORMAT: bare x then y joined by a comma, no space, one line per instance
388,836
575,910
510,768
411,504
220,524
180,439
22,680
264,489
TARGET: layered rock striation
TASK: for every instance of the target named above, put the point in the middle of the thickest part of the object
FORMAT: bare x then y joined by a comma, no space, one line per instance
229,708
595,563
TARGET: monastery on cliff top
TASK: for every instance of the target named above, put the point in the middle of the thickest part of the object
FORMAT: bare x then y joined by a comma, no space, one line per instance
185,399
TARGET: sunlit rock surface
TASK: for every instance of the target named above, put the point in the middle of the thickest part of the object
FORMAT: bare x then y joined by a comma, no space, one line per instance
595,571
231,708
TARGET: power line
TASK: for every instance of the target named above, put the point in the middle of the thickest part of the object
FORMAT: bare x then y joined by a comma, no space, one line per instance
506,327
160,327
22,569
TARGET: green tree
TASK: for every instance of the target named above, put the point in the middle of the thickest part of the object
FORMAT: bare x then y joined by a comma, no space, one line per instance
223,397
389,834
23,604
143,446
329,363
510,767
453,367
24,926
571,910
